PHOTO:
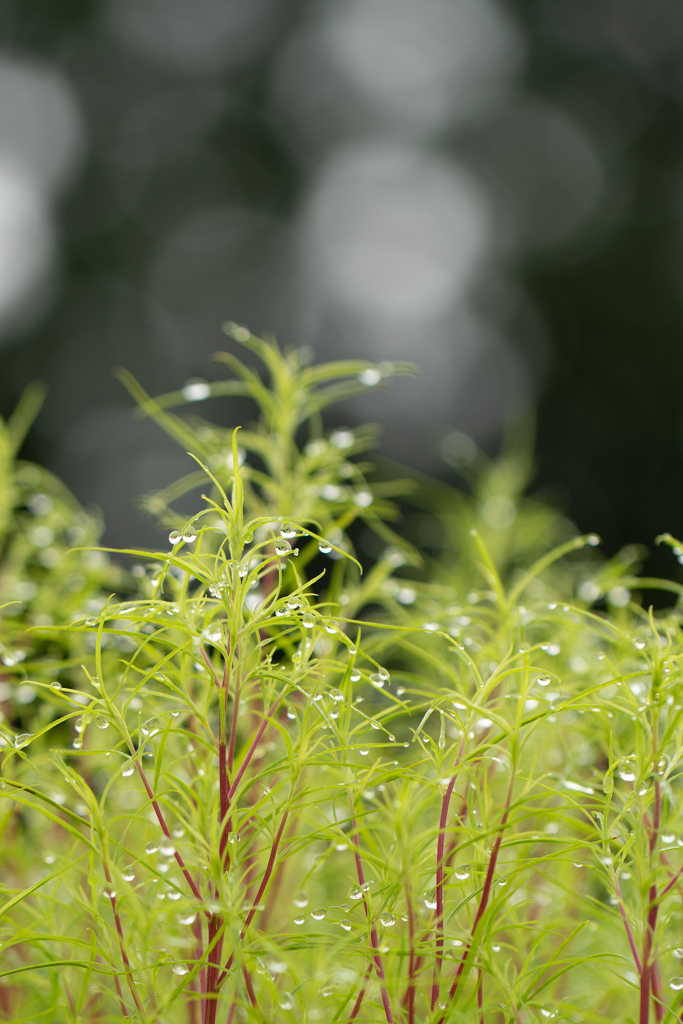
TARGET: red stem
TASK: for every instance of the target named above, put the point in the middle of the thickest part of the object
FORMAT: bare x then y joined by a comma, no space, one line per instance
412,964
357,1005
262,888
440,845
646,974
164,828
124,955
483,900
376,955
250,753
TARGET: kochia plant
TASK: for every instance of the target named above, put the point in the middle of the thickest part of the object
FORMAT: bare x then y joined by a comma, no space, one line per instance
276,788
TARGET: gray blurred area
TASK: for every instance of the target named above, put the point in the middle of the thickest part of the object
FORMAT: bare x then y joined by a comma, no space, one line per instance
490,189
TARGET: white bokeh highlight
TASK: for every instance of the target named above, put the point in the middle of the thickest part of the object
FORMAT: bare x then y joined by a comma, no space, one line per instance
41,146
393,232
194,36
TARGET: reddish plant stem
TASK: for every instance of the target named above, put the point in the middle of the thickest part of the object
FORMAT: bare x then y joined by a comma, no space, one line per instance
250,753
124,954
250,988
233,726
361,995
412,961
262,888
223,772
376,955
483,900
215,949
627,927
440,846
164,828
651,922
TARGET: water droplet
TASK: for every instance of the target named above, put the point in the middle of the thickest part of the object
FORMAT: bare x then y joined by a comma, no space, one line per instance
300,899
370,377
10,658
676,984
189,537
543,680
430,900
128,768
388,920
195,391
287,530
293,604
55,685
128,873
308,620
102,723
299,919
342,438
282,547
336,695
376,680
324,548
233,837
363,499
661,765
356,894
628,769
22,739
109,892
166,849
187,918
180,969
96,683
639,642
462,872
318,915
175,537
355,676
592,540
678,952
668,838
346,925
285,1001
151,848
363,751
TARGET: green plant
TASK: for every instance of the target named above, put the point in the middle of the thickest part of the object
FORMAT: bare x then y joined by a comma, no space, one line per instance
280,789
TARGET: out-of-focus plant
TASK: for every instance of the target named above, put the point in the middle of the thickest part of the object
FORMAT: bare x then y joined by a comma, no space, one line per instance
445,789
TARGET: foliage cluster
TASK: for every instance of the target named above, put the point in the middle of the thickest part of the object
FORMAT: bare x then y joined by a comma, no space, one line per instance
244,780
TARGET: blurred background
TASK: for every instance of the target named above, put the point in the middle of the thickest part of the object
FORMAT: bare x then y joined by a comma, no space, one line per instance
491,189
